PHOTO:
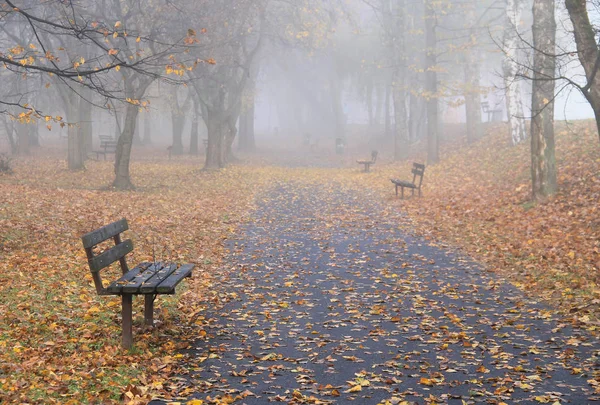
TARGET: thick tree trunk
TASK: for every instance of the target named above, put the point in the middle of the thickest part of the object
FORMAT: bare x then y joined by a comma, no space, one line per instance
23,139
147,140
177,124
194,134
431,84
123,156
543,158
247,139
588,53
472,90
215,127
85,121
9,127
76,148
514,100
135,88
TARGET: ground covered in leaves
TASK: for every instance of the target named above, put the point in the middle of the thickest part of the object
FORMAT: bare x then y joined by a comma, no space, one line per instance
326,299
341,293
479,198
59,341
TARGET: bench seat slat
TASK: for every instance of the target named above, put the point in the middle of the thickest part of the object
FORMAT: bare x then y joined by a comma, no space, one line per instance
113,254
146,283
168,285
104,233
116,287
404,183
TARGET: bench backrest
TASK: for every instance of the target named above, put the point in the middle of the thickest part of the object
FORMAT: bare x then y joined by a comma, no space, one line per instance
108,257
418,170
374,156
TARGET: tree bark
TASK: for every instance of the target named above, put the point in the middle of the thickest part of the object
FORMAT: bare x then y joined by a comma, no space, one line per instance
587,52
472,90
194,134
135,88
177,124
23,139
514,101
543,158
215,127
85,122
76,150
147,140
124,145
431,83
246,132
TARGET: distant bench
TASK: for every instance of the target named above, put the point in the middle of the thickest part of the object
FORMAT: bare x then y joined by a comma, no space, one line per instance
367,163
148,279
107,145
418,170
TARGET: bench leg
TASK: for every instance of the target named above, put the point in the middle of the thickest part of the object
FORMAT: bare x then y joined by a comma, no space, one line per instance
149,309
126,314
402,192
396,191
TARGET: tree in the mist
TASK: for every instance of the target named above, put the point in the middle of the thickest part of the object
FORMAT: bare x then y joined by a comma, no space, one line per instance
96,49
431,82
234,35
587,52
143,33
543,159
513,92
471,66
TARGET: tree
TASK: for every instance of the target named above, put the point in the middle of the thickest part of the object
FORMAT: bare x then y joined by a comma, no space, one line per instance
587,52
431,84
514,102
543,159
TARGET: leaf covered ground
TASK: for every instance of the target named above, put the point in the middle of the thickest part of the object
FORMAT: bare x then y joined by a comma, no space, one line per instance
325,299
479,198
60,343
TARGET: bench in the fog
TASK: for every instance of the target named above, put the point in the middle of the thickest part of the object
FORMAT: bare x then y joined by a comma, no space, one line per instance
147,279
367,163
108,145
418,170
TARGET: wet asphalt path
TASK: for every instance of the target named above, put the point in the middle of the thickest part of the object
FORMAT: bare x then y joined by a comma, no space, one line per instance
331,301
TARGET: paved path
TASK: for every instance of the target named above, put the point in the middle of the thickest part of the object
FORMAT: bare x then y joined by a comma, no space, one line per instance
333,303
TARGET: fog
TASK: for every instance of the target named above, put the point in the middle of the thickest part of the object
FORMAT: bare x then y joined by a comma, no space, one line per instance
310,74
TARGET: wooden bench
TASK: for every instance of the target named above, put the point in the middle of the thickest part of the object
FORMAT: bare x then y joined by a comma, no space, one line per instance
148,279
367,163
418,170
107,145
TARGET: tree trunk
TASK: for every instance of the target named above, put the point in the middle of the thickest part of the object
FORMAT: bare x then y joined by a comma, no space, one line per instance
85,121
247,139
22,139
514,101
472,90
147,140
399,82
194,134
76,152
587,51
387,113
177,124
369,101
215,128
378,105
9,127
431,84
135,88
124,145
543,158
